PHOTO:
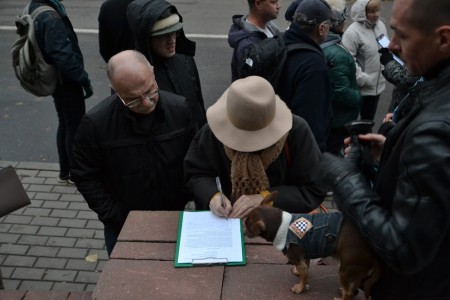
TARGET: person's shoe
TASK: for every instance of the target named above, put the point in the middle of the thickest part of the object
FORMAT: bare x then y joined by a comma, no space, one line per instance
64,179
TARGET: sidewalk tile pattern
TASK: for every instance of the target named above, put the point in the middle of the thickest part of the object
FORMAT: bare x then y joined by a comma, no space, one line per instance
43,246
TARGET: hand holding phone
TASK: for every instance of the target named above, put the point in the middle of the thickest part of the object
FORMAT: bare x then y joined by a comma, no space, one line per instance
383,41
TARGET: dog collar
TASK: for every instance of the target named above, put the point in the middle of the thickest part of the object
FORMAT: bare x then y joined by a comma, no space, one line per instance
280,238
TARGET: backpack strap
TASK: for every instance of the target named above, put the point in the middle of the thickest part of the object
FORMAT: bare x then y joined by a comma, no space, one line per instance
290,48
304,46
40,10
26,9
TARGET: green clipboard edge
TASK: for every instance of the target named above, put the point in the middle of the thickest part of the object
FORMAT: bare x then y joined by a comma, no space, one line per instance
188,265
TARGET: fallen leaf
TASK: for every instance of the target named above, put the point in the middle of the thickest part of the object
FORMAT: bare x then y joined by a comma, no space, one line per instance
91,258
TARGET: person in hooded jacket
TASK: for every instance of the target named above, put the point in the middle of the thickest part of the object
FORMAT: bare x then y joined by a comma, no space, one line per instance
157,28
114,34
347,97
290,11
251,29
59,46
360,39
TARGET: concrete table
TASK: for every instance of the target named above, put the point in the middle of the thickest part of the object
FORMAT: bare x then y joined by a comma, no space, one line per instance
142,267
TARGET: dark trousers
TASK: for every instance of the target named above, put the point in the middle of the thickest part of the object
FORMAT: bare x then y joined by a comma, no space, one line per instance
70,108
111,236
369,107
335,141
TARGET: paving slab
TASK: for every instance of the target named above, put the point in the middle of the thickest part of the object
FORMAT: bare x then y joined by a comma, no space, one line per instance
32,236
154,278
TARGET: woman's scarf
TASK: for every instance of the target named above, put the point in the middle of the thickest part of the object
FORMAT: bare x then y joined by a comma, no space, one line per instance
248,175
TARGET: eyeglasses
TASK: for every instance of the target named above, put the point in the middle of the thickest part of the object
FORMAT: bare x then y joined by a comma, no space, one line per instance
137,101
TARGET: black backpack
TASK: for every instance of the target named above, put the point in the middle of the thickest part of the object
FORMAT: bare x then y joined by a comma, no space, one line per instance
267,58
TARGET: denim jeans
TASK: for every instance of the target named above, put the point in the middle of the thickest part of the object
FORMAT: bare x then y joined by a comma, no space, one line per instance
369,107
70,108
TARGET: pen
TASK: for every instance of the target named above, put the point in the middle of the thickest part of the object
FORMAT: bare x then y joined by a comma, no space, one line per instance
219,187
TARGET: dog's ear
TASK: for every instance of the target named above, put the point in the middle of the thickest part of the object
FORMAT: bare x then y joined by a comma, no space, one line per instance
269,199
257,228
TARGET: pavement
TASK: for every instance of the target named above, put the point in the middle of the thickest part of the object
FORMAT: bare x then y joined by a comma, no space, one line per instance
44,246
56,243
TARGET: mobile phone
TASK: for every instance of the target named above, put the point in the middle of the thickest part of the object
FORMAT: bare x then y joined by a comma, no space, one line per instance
383,41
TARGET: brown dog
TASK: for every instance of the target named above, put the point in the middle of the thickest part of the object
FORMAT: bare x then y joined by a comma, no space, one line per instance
359,267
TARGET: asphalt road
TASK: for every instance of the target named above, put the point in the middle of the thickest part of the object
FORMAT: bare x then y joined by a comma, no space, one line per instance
28,124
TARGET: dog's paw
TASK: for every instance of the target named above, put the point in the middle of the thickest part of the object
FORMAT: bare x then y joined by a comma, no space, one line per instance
298,288
294,271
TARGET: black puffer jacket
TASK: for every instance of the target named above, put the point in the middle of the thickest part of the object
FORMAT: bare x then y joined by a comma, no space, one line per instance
177,74
59,44
118,168
407,220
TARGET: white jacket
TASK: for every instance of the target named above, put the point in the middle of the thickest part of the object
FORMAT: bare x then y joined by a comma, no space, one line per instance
360,40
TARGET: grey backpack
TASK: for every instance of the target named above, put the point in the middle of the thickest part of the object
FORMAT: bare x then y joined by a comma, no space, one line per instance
34,74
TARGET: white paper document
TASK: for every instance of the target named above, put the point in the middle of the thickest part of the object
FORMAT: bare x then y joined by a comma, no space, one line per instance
205,238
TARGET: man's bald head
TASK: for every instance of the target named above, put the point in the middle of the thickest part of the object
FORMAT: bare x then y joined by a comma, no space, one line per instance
125,66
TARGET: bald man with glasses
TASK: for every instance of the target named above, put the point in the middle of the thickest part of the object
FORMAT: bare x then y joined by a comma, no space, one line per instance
129,149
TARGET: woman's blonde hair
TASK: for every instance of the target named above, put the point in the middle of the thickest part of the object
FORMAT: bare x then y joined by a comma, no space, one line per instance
373,5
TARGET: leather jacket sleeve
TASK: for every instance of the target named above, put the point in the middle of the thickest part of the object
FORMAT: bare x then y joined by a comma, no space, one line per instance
408,231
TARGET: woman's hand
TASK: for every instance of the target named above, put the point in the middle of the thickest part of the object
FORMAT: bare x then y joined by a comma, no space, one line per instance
245,204
215,205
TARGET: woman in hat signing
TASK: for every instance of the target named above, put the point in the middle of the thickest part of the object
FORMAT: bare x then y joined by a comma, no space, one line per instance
255,145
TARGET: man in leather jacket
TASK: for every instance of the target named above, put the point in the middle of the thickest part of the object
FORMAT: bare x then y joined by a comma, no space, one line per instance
129,149
405,218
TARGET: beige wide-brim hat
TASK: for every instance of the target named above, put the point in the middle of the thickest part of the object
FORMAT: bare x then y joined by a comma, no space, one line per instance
249,116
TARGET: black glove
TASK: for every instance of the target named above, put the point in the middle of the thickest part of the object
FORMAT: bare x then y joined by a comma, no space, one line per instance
331,170
386,56
87,87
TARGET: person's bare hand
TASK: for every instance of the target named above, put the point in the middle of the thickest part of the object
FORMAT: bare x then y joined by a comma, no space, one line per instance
215,205
388,117
245,204
376,144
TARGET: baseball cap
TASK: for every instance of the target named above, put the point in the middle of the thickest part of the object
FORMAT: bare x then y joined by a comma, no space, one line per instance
314,11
